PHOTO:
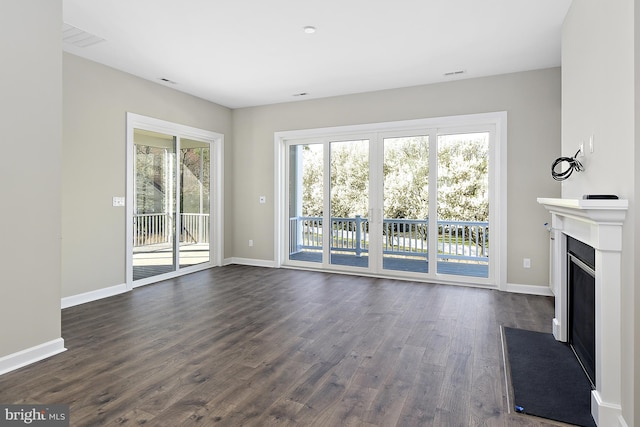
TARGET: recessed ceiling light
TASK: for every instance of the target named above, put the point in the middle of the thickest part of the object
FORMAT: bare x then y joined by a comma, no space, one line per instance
301,94
309,29
454,73
162,79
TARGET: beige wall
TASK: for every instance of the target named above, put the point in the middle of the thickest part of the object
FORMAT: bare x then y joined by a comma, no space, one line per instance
30,106
531,99
96,99
631,359
598,95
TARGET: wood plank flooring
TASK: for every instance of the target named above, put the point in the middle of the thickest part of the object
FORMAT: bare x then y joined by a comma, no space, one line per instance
250,346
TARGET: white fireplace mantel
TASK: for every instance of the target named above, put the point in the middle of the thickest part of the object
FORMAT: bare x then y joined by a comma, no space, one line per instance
598,223
606,210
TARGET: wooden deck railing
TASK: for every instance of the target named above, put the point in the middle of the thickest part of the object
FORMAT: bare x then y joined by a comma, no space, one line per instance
151,229
462,240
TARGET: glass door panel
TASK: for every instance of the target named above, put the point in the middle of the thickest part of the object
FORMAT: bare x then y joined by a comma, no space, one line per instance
154,218
349,203
306,167
406,204
463,204
194,164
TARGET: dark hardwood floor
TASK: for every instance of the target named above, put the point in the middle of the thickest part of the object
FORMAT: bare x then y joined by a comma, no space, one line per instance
250,346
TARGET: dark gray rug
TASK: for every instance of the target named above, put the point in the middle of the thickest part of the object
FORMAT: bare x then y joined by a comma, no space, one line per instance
547,379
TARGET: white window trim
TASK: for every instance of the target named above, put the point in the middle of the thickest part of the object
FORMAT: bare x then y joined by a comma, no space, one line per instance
137,121
498,176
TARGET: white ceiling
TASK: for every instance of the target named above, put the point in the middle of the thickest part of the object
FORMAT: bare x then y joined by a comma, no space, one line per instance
241,53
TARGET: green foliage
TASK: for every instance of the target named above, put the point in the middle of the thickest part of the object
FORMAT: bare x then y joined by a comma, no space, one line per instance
463,186
406,178
462,178
349,179
312,158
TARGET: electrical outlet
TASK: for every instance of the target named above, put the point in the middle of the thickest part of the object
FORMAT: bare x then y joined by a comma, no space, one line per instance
581,150
250,243
526,262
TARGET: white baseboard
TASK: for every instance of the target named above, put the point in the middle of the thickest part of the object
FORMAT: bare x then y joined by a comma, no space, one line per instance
250,261
622,422
606,413
73,300
31,355
529,289
511,287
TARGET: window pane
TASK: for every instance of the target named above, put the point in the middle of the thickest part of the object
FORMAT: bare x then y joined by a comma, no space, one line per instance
463,204
406,204
195,158
305,202
154,210
350,203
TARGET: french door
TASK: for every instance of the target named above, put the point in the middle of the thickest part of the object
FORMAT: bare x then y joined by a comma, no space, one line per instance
410,203
173,201
406,200
349,203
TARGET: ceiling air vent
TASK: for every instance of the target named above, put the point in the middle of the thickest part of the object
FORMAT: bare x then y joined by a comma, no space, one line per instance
454,73
77,37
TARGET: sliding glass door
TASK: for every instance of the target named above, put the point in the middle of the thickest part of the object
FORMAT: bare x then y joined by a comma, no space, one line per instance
154,219
463,204
194,195
306,202
172,194
402,203
349,203
405,228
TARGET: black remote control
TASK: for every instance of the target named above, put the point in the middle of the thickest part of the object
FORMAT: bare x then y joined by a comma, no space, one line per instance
599,197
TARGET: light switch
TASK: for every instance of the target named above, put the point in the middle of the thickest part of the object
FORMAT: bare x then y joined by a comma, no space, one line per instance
118,201
263,199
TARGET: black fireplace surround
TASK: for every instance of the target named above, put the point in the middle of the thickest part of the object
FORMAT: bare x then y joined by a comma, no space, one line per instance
582,304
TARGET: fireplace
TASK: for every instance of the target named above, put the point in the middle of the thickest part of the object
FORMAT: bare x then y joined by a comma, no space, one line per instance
598,225
581,316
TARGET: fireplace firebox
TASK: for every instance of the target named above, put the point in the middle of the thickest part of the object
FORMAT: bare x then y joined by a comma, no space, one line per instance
582,304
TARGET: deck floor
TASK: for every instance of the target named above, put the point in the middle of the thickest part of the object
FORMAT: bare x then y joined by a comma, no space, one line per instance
153,260
398,264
